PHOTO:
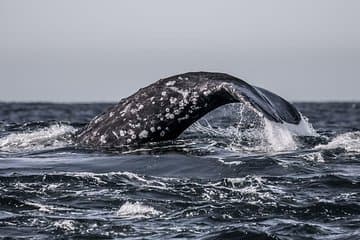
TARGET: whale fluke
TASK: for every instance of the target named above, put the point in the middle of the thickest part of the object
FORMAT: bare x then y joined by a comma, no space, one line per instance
164,109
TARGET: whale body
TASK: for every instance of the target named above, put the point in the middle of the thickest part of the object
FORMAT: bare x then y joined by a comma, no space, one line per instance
164,109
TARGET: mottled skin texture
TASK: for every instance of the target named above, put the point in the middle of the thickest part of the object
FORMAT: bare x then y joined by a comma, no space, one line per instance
164,109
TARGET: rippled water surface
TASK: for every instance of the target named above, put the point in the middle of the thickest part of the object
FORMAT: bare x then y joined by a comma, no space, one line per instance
232,175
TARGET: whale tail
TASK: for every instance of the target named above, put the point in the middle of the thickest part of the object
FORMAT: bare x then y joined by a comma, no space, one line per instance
272,106
164,109
284,110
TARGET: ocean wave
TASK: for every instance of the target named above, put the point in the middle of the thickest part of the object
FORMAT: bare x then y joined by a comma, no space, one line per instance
349,141
234,128
54,136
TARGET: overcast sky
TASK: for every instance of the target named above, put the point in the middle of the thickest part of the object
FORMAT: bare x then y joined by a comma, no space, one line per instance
83,50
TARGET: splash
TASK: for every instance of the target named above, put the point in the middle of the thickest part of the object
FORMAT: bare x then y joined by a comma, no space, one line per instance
248,130
280,136
349,141
54,136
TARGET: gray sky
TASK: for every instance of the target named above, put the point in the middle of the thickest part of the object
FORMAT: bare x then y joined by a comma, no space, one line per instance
84,50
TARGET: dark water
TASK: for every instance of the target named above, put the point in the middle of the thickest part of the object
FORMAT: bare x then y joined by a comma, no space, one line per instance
242,178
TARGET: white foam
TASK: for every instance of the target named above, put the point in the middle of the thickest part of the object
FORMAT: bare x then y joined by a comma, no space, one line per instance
41,139
136,210
68,225
349,141
313,157
248,187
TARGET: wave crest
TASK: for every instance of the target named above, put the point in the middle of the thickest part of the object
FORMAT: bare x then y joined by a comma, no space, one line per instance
54,136
349,141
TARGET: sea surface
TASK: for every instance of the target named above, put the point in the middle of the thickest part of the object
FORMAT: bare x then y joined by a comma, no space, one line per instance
232,175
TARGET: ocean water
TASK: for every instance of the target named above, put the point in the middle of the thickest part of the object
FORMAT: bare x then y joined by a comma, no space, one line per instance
232,175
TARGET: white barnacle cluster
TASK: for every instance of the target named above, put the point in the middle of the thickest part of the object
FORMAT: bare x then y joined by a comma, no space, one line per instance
134,125
155,128
206,92
160,117
98,119
194,97
137,109
177,105
132,134
172,100
95,133
183,78
177,111
103,139
182,103
170,83
125,110
169,116
143,134
205,89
